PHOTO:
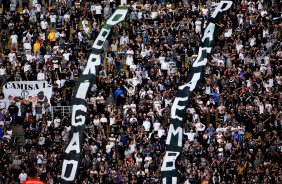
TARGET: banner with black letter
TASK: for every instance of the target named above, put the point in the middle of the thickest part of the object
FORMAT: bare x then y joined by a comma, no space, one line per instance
79,107
27,91
183,97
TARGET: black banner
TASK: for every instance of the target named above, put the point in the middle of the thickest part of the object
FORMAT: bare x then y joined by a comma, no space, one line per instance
79,107
183,96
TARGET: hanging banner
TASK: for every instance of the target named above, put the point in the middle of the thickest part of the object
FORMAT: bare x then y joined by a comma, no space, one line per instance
183,96
27,91
79,107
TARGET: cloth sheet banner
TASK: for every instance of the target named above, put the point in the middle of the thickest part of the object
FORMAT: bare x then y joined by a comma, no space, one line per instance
174,141
72,153
27,91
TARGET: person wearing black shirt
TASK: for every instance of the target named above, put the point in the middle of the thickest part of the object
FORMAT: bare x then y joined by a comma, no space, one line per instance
13,110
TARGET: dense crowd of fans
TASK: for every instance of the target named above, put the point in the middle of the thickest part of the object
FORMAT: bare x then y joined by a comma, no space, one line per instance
233,124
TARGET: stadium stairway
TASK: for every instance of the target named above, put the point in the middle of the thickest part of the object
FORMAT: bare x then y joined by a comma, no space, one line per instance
18,135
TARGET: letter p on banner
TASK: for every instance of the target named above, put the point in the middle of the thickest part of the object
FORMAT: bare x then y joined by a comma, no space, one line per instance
222,6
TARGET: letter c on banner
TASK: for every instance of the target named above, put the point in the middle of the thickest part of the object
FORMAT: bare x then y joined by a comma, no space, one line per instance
175,106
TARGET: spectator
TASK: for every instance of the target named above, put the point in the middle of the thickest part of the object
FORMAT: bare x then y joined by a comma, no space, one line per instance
233,122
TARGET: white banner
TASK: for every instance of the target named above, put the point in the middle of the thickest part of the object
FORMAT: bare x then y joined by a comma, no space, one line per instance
27,91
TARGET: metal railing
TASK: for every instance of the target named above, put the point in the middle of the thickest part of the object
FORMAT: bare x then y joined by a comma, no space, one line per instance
61,109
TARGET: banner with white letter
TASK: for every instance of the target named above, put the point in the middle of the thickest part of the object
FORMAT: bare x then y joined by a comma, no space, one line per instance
183,96
79,107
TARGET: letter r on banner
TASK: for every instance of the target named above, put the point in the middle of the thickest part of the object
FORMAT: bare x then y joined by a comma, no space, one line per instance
93,61
69,163
169,161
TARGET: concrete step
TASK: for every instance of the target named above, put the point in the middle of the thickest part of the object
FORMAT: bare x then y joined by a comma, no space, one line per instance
18,132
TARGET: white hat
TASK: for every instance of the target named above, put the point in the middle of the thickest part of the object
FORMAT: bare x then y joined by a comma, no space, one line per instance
1,123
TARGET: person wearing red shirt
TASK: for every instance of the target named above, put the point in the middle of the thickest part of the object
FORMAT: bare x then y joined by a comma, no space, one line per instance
33,177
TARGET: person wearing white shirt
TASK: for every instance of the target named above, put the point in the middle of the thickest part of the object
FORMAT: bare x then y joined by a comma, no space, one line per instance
200,126
66,56
157,125
2,71
190,135
124,39
92,8
53,19
80,37
44,25
162,58
40,76
148,158
67,17
14,39
198,24
12,57
84,23
108,147
147,125
27,46
22,176
98,12
161,131
129,58
138,159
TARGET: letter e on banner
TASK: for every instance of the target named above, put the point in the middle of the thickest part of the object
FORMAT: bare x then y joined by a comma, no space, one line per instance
175,106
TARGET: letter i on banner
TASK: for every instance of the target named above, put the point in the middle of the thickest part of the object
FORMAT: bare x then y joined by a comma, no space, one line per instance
79,108
174,146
